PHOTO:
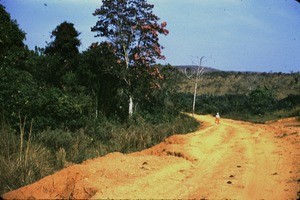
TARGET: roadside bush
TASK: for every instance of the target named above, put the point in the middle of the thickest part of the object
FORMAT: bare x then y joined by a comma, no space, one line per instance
56,139
68,147
183,101
25,160
80,147
138,132
101,128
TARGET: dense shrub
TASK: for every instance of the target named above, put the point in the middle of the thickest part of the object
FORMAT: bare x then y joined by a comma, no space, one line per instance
289,102
258,103
261,101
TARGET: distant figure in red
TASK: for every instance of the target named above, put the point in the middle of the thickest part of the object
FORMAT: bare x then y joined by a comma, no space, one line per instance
217,120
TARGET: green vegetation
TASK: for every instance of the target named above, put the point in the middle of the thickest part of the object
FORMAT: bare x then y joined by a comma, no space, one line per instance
59,106
271,96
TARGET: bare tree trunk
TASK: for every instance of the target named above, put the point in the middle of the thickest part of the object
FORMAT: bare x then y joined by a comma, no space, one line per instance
198,74
195,95
130,105
96,108
130,110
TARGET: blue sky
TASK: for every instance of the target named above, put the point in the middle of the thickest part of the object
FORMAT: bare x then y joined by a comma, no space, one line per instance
239,35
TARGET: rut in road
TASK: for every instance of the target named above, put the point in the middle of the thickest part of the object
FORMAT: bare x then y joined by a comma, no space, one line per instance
236,160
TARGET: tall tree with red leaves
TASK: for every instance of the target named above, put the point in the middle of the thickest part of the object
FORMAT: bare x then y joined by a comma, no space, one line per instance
132,29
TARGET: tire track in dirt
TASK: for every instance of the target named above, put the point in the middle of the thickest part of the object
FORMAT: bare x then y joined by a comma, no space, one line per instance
235,160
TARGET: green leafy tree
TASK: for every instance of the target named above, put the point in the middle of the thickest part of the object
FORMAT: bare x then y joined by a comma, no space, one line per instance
11,37
65,41
61,109
62,56
13,52
18,89
19,94
101,75
157,94
168,88
132,29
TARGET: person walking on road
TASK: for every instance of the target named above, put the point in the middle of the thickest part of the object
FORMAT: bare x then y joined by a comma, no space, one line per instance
217,120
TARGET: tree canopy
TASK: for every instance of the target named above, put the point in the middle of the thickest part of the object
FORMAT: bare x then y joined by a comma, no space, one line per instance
61,56
133,30
65,41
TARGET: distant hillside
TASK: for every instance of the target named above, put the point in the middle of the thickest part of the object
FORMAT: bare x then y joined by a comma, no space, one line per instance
221,82
194,68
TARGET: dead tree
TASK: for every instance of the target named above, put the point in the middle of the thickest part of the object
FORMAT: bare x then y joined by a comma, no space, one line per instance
197,75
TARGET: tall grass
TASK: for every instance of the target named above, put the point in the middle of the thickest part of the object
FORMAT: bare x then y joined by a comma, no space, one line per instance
26,156
22,162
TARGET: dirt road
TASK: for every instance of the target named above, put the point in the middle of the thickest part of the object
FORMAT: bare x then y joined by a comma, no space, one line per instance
233,160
